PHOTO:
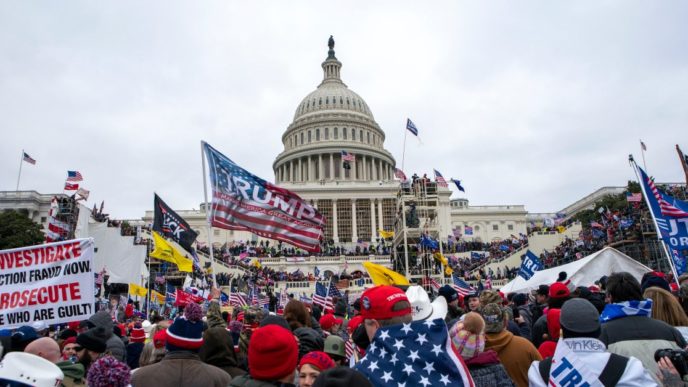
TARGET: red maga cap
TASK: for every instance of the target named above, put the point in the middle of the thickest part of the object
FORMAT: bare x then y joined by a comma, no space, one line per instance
378,303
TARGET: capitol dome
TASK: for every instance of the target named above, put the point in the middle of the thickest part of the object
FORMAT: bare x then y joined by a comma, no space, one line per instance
329,120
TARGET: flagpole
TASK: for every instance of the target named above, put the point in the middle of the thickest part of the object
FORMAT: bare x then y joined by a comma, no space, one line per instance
207,216
654,220
149,281
21,162
403,152
642,152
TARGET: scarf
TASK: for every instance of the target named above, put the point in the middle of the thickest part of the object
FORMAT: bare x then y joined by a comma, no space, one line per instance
567,362
625,309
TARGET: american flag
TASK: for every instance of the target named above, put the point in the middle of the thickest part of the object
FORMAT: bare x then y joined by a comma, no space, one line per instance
349,347
399,174
74,176
439,179
243,201
57,230
634,197
488,282
29,159
334,292
414,354
411,127
435,285
224,299
461,286
237,299
321,297
346,156
668,205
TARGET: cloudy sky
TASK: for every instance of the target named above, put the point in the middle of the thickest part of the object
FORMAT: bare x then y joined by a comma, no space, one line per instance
535,103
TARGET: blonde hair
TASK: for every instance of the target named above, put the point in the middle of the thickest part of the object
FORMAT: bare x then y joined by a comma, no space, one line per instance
665,307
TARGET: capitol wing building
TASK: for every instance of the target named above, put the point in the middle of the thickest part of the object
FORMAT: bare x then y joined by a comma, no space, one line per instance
356,201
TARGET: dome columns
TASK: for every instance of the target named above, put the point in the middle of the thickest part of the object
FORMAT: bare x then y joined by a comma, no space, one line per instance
328,167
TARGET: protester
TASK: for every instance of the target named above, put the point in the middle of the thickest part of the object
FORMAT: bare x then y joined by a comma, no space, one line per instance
311,365
93,345
494,297
69,348
330,324
341,377
218,350
181,366
473,301
516,353
108,372
21,337
453,310
25,369
558,294
388,321
468,339
135,346
299,320
628,329
580,356
335,347
115,345
272,358
48,349
548,346
525,318
537,308
665,307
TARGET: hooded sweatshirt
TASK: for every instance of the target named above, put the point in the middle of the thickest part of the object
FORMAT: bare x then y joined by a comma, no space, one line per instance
218,350
74,373
115,345
515,352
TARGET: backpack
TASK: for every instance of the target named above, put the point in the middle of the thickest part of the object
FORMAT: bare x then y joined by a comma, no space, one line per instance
610,376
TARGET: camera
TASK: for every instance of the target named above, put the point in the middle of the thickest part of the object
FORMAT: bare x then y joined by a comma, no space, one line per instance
678,358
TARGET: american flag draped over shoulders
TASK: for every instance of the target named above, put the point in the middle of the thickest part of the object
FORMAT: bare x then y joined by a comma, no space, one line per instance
414,354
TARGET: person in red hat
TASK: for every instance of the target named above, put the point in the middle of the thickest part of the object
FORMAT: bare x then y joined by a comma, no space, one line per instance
311,365
558,294
383,306
135,346
330,324
272,358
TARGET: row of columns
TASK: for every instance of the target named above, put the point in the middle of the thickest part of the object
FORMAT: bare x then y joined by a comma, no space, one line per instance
375,220
312,168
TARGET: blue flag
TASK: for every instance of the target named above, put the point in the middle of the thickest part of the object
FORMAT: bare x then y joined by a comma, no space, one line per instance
531,263
458,185
671,217
428,242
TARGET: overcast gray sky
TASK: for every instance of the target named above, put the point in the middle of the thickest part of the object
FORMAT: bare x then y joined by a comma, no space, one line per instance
528,102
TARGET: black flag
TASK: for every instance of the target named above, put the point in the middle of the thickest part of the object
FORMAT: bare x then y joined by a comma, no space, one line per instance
171,225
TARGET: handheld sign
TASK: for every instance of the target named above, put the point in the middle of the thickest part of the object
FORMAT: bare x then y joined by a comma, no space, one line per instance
52,283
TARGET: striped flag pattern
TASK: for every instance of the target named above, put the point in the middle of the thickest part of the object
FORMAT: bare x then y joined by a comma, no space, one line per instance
237,299
29,159
411,127
321,297
346,156
399,174
243,201
461,286
74,176
439,179
57,230
668,209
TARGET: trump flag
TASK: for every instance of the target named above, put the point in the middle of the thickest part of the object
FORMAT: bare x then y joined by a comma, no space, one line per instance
243,201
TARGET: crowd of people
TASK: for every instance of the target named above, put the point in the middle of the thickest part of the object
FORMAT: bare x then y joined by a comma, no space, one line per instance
620,331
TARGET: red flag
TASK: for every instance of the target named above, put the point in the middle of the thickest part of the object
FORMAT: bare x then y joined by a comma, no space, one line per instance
71,187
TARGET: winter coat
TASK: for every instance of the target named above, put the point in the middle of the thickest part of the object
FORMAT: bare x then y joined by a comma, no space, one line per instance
74,373
640,336
247,381
526,327
539,329
115,345
486,370
309,340
180,368
516,354
218,350
133,354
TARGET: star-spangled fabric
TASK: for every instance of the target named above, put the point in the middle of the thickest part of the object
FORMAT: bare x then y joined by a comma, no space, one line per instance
414,354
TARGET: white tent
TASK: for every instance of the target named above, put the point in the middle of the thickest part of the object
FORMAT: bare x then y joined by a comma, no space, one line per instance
583,272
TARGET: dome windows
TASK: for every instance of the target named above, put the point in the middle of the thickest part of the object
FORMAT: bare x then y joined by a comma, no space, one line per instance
327,133
336,134
343,133
317,135
353,135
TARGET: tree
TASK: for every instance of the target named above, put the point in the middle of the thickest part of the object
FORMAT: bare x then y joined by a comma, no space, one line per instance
17,230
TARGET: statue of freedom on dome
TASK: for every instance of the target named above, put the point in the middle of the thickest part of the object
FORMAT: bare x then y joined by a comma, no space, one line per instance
330,43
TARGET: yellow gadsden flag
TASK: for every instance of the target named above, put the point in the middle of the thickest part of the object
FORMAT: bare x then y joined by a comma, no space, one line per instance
384,276
165,251
385,234
136,290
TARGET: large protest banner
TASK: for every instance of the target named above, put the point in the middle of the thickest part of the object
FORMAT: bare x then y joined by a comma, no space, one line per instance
52,282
